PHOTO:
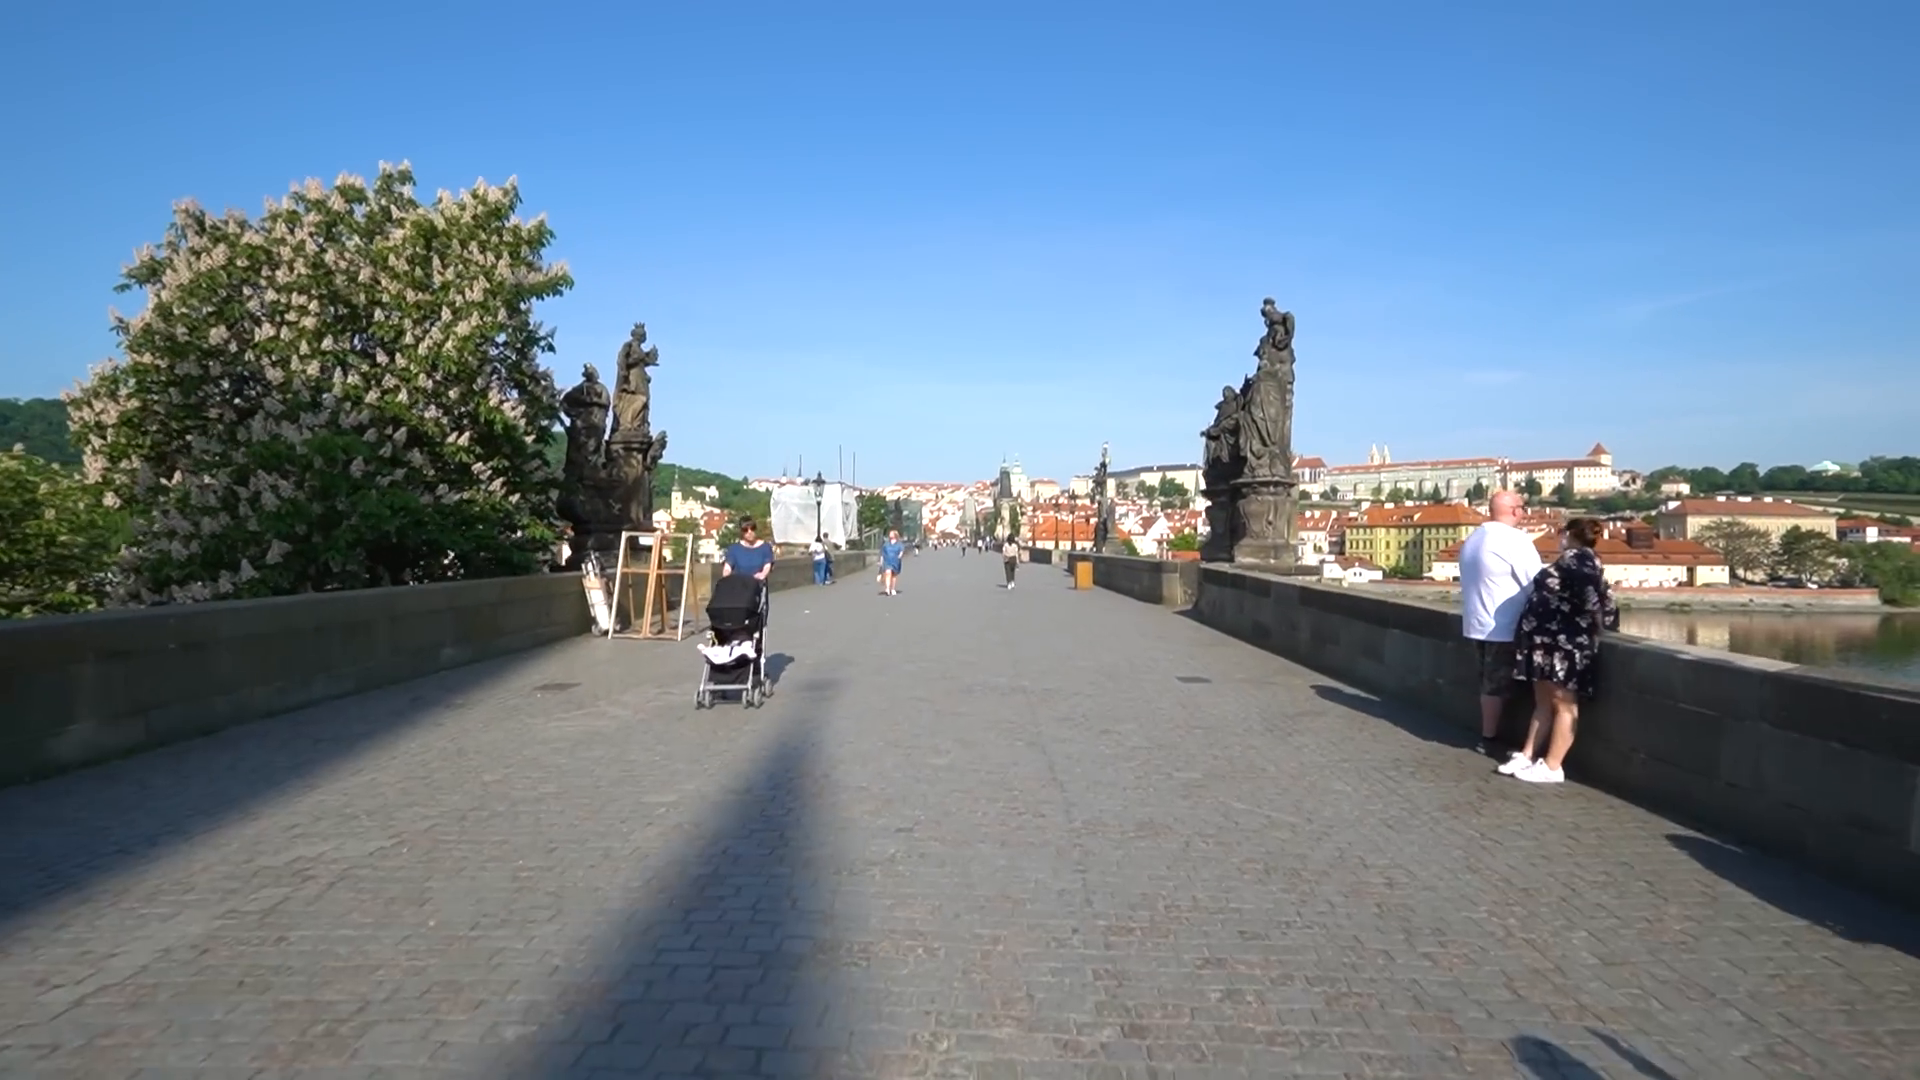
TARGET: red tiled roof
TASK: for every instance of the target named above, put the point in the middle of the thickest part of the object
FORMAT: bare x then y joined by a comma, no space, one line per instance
1737,508
1428,514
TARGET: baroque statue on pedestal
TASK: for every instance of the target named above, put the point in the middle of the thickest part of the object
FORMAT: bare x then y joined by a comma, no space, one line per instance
1267,423
612,451
1248,465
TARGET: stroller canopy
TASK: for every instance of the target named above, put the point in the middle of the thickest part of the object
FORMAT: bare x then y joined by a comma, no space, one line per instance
735,602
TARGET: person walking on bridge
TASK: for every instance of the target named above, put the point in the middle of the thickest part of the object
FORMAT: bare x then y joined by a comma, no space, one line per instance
1497,565
1010,556
892,550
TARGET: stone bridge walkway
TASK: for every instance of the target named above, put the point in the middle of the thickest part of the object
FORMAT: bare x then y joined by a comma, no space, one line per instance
976,833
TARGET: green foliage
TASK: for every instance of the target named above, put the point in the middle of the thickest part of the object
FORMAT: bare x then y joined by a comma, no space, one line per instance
1331,494
1745,478
1128,547
1184,541
1883,475
1620,502
1562,495
1171,493
344,392
735,497
1749,550
1806,554
1531,488
1400,494
872,511
1894,569
1478,493
38,426
1404,570
58,541
682,534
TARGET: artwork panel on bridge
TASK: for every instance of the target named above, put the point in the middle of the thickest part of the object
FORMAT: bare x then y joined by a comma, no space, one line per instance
612,451
1248,462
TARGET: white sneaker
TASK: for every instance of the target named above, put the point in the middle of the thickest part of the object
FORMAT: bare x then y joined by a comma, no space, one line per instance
1539,773
1515,763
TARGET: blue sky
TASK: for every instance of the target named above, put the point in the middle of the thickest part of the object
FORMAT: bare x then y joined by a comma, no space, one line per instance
935,234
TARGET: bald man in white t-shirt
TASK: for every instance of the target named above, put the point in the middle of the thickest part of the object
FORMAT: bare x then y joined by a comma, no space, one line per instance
1497,565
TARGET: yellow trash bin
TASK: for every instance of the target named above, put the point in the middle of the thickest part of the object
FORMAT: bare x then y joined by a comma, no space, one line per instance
1083,574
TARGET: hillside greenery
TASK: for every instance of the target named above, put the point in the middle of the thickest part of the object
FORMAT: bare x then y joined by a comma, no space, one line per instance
1879,475
38,426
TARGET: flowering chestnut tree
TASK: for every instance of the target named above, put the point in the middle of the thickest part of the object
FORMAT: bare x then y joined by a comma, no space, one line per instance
343,392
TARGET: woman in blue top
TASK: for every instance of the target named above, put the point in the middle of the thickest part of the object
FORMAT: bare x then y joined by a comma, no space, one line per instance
891,551
749,555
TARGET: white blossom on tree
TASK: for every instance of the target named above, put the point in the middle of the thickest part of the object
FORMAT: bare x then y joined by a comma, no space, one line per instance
345,391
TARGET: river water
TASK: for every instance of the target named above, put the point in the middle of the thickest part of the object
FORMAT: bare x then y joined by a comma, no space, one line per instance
1886,644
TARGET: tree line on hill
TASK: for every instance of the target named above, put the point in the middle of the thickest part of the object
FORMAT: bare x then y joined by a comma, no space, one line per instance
1878,475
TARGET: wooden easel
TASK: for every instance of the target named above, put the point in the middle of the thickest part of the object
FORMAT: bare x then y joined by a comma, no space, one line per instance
656,594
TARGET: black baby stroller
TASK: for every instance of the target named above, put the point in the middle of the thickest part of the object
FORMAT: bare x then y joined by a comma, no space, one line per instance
735,655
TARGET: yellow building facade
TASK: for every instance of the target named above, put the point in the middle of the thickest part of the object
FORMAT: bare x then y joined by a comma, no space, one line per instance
1410,536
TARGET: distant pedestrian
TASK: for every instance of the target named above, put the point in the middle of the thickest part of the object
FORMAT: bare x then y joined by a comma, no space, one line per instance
1010,557
892,550
1497,566
1557,648
818,549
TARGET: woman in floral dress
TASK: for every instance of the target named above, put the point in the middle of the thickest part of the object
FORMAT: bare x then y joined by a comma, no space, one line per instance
1557,648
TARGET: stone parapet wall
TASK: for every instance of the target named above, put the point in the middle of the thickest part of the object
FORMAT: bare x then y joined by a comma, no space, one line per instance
80,689
1153,581
1804,762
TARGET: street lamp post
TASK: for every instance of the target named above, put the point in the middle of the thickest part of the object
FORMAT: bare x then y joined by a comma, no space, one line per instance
1073,524
819,486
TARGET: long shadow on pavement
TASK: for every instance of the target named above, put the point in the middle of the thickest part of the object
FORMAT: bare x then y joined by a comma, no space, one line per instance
1805,894
1642,1064
724,973
1410,720
66,832
1549,1060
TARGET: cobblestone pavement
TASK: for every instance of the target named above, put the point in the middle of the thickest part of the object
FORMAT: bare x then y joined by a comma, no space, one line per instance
976,833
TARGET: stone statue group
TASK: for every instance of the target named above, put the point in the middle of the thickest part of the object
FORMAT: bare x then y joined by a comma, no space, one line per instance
612,451
1247,472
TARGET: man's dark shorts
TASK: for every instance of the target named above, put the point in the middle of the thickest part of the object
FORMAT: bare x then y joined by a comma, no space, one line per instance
1496,669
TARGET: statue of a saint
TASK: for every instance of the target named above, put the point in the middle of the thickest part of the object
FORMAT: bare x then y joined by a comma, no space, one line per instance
1266,422
633,388
1223,457
1099,487
585,407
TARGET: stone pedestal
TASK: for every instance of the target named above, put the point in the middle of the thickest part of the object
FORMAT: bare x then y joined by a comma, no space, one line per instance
1221,526
1263,515
614,496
